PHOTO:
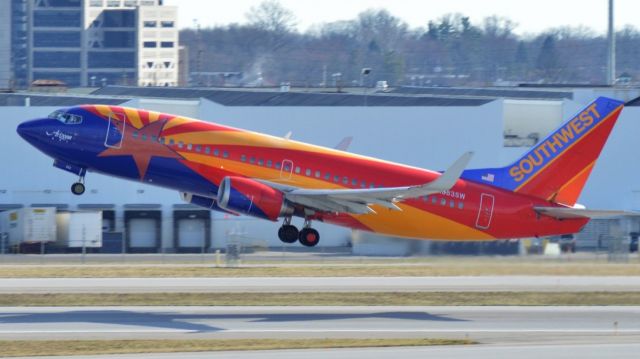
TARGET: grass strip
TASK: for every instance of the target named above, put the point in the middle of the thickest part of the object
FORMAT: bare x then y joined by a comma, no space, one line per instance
325,299
92,347
435,269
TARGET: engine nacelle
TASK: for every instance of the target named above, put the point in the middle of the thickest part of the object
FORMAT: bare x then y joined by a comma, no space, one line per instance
205,202
252,198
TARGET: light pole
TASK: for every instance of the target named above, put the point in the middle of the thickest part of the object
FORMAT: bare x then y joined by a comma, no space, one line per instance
364,74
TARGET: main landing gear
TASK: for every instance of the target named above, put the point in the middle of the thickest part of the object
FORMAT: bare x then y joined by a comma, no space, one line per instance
308,236
78,187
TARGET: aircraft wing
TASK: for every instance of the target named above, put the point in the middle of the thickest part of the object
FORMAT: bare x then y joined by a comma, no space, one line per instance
572,213
358,201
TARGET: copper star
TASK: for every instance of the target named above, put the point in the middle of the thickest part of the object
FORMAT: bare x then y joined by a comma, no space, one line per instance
142,150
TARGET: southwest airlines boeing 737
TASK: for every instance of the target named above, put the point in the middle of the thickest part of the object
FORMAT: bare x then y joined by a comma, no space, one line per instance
243,172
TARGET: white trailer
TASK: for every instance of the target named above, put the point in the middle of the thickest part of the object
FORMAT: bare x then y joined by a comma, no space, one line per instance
79,229
29,225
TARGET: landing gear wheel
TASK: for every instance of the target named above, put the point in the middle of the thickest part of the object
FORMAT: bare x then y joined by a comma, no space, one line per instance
309,237
288,233
77,188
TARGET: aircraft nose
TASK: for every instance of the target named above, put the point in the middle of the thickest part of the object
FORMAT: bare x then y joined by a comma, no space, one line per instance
32,131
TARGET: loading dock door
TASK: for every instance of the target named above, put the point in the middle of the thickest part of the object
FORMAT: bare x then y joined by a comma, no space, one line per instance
191,233
143,233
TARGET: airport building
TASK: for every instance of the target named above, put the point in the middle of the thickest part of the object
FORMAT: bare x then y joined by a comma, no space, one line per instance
88,42
423,127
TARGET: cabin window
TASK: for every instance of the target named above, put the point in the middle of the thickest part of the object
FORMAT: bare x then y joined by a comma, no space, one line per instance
143,137
180,144
443,202
434,200
372,185
243,158
460,205
172,142
161,140
336,178
189,146
327,176
318,174
198,148
452,204
297,169
135,134
354,182
207,150
345,180
277,165
269,163
307,172
363,184
154,138
216,152
225,154
252,160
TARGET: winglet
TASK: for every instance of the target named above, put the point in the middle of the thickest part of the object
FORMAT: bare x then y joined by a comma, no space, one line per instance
344,144
449,178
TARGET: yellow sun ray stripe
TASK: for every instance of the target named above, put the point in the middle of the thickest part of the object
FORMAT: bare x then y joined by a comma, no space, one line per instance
153,116
104,110
134,117
177,121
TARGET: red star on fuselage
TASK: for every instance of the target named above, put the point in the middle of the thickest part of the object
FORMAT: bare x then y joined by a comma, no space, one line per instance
142,147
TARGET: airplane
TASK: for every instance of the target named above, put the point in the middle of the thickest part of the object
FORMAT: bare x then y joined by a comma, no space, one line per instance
248,173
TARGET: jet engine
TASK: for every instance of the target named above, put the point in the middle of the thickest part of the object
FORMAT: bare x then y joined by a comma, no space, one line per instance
252,198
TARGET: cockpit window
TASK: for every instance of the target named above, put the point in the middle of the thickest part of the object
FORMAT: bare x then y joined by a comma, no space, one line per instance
66,118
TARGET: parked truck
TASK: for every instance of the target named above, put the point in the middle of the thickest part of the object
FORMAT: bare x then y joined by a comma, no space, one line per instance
79,229
28,225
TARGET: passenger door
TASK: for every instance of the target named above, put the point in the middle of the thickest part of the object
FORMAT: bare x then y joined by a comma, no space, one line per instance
115,130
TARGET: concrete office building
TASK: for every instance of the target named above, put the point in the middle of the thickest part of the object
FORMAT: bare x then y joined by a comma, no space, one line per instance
93,42
421,130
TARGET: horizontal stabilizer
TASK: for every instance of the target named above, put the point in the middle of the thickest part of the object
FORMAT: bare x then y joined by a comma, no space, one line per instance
569,213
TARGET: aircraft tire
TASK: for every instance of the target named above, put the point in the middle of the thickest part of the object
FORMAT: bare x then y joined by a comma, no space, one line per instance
77,188
288,233
309,237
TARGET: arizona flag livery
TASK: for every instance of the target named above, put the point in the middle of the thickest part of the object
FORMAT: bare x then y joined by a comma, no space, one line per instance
244,172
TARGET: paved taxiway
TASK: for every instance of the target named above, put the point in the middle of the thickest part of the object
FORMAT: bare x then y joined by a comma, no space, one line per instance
321,284
487,324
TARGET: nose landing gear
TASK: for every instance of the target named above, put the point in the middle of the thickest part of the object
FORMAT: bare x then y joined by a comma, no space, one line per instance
78,187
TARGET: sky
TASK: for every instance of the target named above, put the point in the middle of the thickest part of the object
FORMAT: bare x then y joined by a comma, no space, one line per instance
531,16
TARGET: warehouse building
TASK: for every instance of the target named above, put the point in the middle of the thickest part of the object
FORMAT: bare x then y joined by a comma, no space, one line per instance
420,129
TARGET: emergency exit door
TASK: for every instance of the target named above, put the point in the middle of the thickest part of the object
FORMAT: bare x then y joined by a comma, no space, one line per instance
485,212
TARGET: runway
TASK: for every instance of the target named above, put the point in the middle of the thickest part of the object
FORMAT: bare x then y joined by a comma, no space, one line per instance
321,284
486,324
570,351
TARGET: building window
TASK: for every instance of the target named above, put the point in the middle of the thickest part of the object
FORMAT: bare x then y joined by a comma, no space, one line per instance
58,18
150,23
96,3
56,59
166,44
113,3
56,38
125,39
119,18
112,59
167,23
150,44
